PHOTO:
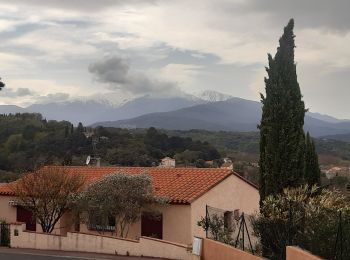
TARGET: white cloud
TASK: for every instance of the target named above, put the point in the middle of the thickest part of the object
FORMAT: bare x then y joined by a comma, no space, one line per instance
182,74
44,39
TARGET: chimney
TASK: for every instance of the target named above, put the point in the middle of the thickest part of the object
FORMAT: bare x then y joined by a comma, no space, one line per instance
98,162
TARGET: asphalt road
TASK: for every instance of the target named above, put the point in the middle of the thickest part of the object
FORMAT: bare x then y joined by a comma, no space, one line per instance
28,254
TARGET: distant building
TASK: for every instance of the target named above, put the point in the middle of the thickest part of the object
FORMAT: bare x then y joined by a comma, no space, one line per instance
227,160
227,166
88,134
255,164
334,171
209,163
167,162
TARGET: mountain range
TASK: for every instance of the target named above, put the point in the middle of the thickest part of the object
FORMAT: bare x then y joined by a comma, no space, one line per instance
209,110
234,114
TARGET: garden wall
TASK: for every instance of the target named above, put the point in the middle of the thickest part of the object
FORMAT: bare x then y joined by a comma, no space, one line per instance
213,250
97,244
296,253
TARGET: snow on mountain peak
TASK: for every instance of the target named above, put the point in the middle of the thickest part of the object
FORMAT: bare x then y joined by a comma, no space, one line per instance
212,96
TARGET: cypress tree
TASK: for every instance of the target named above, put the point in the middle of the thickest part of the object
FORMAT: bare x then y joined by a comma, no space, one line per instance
80,128
312,168
282,139
2,84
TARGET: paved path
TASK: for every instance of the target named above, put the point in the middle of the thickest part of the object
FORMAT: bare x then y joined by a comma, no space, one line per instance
29,254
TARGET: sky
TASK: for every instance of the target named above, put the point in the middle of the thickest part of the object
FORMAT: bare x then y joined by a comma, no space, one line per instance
61,50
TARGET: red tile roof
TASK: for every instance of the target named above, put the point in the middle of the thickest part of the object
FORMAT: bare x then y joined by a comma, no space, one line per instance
180,185
5,189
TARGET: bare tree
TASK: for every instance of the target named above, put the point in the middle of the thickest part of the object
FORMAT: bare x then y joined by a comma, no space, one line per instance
46,193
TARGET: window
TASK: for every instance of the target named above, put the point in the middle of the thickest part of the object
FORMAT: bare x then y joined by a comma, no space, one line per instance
236,214
152,225
98,223
228,220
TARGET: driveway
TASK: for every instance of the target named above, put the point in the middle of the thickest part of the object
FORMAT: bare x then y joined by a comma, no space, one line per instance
29,254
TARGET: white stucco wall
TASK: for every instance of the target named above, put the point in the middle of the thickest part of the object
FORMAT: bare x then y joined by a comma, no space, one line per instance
7,212
230,194
176,224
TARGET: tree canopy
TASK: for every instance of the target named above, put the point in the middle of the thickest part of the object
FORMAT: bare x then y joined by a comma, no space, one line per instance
120,197
28,141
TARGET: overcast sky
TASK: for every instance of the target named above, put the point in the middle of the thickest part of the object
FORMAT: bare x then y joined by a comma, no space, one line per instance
56,50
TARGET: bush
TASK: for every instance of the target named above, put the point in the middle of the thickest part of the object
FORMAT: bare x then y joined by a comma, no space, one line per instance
307,217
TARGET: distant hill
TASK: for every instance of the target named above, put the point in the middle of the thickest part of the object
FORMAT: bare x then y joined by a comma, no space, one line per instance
339,137
209,110
326,118
11,109
89,112
234,114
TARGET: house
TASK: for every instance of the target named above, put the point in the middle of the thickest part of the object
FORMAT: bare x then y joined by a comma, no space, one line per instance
190,191
334,171
227,160
227,165
167,162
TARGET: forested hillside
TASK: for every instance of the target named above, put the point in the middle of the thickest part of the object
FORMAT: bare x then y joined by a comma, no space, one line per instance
27,141
247,143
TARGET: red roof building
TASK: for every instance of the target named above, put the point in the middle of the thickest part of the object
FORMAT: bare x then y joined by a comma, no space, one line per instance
189,191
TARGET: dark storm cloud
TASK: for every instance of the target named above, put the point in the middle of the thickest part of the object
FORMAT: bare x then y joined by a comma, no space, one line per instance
116,72
327,14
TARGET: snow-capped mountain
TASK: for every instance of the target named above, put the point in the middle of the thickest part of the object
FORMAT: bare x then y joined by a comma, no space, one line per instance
212,96
113,99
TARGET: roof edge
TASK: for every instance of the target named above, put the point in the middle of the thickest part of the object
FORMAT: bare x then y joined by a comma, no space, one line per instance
233,173
245,180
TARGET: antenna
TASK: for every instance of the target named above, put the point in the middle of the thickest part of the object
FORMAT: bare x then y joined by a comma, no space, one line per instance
88,159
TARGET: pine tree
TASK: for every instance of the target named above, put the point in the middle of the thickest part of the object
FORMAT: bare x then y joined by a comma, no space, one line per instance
281,130
312,168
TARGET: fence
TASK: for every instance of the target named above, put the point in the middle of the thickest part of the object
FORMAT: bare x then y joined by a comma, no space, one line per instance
232,228
326,235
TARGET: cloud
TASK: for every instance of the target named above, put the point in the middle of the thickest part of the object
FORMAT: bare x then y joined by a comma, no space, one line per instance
81,5
333,15
53,97
115,71
208,44
19,92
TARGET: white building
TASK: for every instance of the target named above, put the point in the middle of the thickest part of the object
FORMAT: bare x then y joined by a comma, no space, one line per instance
167,162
